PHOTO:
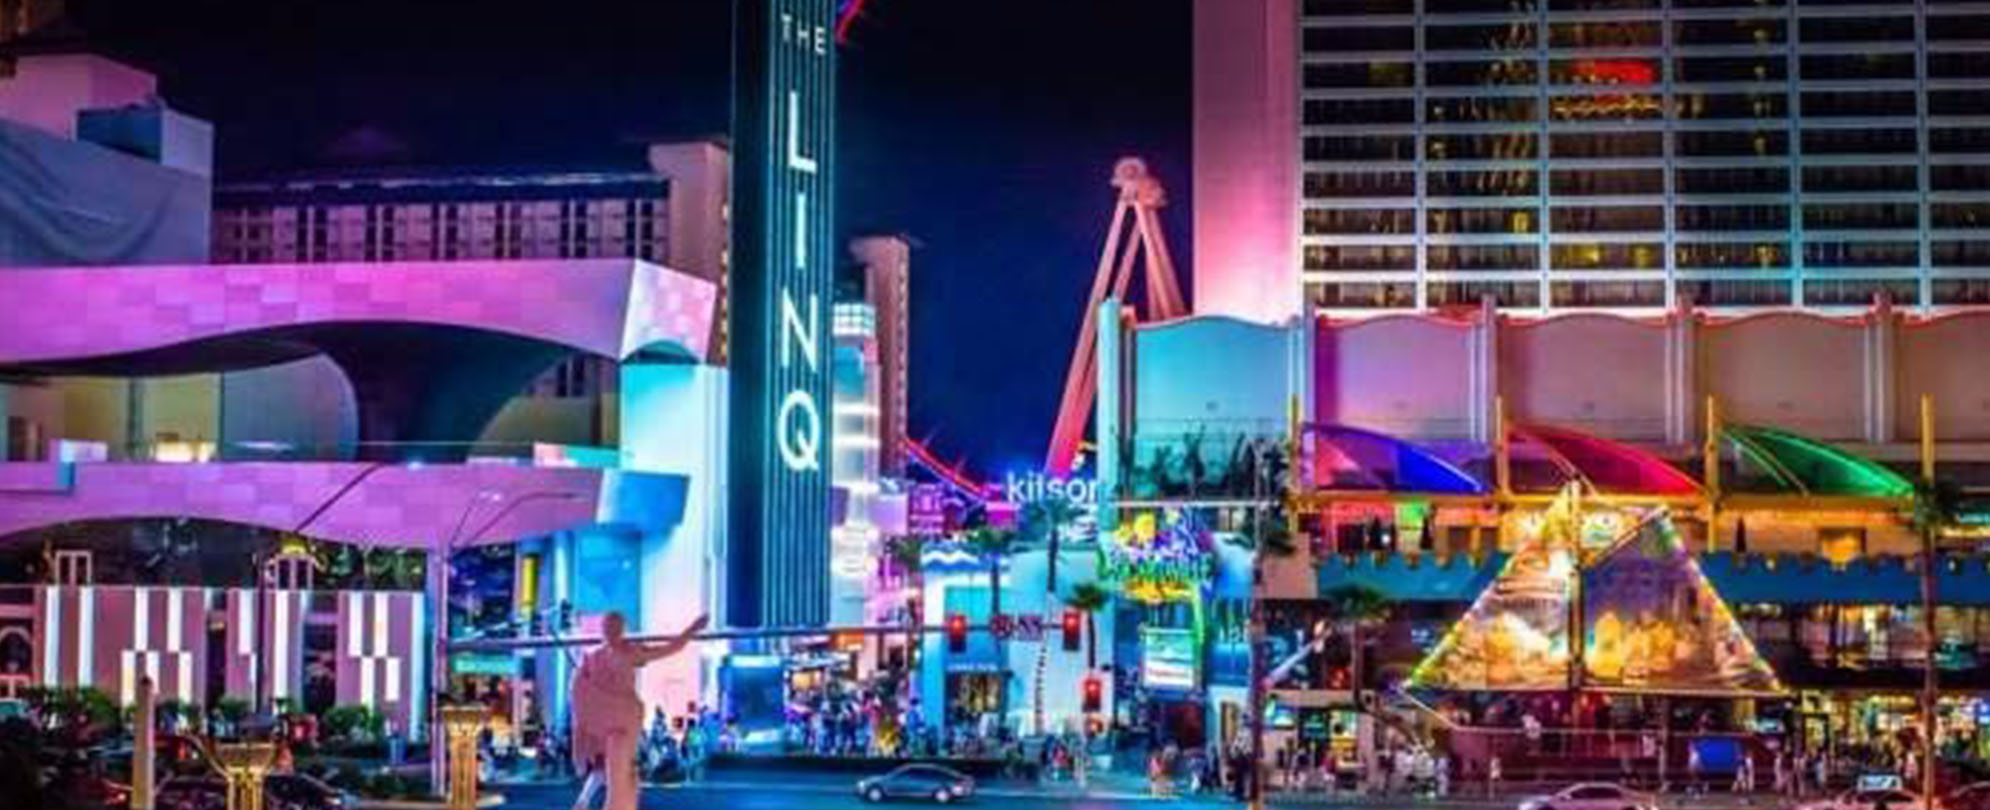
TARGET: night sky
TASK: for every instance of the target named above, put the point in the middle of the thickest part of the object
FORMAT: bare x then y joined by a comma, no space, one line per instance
985,130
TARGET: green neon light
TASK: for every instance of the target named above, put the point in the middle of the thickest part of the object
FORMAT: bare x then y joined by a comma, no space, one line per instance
1818,467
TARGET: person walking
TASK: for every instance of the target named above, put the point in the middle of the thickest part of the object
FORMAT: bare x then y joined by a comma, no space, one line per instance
608,714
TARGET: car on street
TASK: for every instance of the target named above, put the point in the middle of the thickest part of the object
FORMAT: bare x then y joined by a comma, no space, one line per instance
917,781
1974,796
282,791
1879,799
1591,796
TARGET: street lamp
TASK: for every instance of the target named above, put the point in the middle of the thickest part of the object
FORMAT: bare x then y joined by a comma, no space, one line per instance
260,561
438,584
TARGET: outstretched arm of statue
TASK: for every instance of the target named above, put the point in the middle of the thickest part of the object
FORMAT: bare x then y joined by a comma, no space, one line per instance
665,649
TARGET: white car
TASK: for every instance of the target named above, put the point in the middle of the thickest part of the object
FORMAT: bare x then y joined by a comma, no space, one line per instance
1888,799
1591,796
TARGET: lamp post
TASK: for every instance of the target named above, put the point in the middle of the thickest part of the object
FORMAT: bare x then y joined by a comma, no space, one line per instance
438,592
260,561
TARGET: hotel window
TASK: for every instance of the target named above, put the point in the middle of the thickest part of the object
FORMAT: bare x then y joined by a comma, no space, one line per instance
1608,293
1361,74
1500,183
1607,256
1601,5
1731,255
1862,254
1605,72
1360,184
1728,32
1478,6
1949,27
1731,217
1330,8
1607,182
1951,65
1606,144
1857,29
1469,293
1364,295
1849,66
1859,292
1958,102
1860,216
1834,104
1361,147
1327,258
1497,37
1608,219
1483,257
1946,177
1954,141
1743,180
1859,141
1737,292
1960,254
1860,178
1732,69
1961,291
1480,220
1352,220
1728,3
1478,109
1612,107
1325,112
1730,105
1961,215
1603,35
1733,143
1480,74
1503,146
1330,38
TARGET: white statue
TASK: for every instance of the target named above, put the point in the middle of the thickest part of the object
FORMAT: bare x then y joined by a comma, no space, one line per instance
608,714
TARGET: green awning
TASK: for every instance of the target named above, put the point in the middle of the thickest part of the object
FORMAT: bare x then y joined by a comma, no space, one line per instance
1808,467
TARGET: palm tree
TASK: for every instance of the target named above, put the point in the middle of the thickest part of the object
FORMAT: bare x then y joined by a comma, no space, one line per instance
993,544
1043,523
1936,504
1088,598
1356,607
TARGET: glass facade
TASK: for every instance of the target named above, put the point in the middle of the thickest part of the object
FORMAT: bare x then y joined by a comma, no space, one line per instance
1634,154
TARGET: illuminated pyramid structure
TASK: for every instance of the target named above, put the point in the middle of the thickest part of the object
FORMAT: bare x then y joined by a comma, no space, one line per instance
1650,620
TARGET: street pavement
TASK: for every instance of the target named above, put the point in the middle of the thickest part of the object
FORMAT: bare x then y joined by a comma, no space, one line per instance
817,791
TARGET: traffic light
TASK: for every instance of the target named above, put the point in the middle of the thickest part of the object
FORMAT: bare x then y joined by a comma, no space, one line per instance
1094,694
536,624
957,633
1071,633
566,615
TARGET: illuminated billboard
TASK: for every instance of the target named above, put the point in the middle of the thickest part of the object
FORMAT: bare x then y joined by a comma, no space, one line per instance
784,87
1167,658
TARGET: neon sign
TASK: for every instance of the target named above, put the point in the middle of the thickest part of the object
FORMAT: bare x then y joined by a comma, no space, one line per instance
1031,487
1160,559
778,550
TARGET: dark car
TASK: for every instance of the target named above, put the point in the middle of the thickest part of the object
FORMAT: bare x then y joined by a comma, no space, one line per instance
280,792
1969,797
917,782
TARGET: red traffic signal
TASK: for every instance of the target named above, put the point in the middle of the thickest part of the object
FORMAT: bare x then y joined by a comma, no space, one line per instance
1094,694
1071,633
957,633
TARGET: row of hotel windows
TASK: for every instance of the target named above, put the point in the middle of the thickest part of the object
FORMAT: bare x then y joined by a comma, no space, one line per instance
634,228
1525,34
1644,256
1634,218
1632,72
1336,8
1616,145
1613,182
1766,292
1640,107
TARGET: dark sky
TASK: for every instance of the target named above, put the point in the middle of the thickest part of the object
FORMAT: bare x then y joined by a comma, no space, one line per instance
986,130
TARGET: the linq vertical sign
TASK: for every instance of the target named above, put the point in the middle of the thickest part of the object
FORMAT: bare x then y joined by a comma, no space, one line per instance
784,102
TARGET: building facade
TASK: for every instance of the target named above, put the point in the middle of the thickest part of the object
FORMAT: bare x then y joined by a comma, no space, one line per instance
1401,155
